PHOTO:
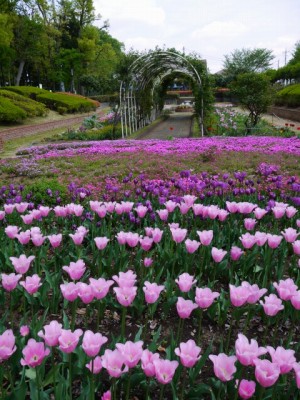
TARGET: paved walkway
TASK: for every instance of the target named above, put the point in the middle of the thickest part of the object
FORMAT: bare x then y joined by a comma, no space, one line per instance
177,125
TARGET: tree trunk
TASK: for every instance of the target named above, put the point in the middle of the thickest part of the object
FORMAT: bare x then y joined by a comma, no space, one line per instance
20,72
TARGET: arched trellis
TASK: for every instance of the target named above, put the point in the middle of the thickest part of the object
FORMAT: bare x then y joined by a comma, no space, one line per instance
144,74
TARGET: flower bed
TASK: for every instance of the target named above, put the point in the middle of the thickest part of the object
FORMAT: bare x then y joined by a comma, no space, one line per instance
153,293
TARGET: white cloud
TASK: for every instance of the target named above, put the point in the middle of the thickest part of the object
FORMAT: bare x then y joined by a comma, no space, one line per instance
220,29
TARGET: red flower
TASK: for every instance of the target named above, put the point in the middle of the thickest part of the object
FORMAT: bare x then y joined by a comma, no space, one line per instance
292,124
171,128
286,124
298,129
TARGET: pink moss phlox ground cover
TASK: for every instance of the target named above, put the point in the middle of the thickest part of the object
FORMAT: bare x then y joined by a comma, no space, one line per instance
265,145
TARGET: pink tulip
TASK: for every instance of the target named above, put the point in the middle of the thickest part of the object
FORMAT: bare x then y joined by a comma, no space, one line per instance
261,238
100,287
2,215
68,340
55,240
295,300
94,204
245,207
127,206
205,297
34,353
298,223
222,215
246,351
238,295
36,214
11,231
205,237
163,214
119,209
152,291
92,343
31,283
165,370
259,213
60,211
21,207
9,208
278,212
147,360
185,307
85,292
218,254
75,270
157,235
249,223
125,279
113,362
284,358
24,330
189,199
141,211
191,245
101,242
146,243
185,281
23,237
255,293
52,333
131,352
184,208
148,262
126,295
178,234
274,240
188,353
296,247
106,395
95,365
69,291
213,212
27,219
248,240
236,253
101,211
224,367
10,281
246,389
232,206
38,239
266,373
173,225
121,238
170,205
290,211
132,239
7,345
290,235
272,305
44,211
286,289
198,209
77,238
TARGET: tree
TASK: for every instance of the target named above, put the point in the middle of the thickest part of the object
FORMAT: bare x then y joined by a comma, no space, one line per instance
247,60
296,55
255,94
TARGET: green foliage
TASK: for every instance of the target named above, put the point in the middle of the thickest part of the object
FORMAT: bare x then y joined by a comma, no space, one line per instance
46,192
254,93
27,91
107,98
108,132
289,96
245,61
9,112
31,107
71,103
91,122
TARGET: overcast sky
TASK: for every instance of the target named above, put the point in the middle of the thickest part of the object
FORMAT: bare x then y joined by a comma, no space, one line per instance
212,28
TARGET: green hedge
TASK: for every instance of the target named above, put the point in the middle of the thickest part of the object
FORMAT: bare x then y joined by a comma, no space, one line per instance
105,133
31,107
27,91
106,98
73,104
10,112
289,96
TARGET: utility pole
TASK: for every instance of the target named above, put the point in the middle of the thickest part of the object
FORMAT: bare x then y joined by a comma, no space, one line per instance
285,54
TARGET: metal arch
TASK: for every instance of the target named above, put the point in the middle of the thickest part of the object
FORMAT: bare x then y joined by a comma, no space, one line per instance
144,73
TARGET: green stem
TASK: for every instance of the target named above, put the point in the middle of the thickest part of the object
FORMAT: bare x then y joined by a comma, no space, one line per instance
92,386
128,387
183,384
239,378
38,384
261,392
162,389
147,389
54,370
70,376
74,304
230,330
200,325
123,323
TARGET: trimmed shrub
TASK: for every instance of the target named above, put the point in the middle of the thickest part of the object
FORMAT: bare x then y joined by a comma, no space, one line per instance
31,107
27,91
10,112
107,98
78,96
289,96
105,133
71,103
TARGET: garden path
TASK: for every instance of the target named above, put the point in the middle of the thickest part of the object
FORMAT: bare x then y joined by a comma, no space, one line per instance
177,125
